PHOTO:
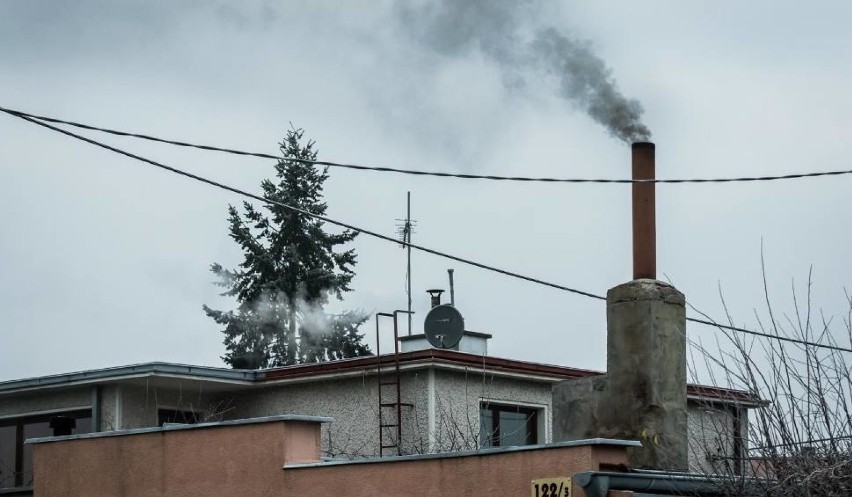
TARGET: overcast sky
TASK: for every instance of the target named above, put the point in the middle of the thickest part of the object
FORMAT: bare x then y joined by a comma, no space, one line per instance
105,261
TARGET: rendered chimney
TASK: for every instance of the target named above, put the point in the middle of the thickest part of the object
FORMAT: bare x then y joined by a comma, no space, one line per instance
644,213
62,425
643,395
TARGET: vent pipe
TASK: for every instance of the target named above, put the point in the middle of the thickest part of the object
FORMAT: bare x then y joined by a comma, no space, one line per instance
62,425
644,212
452,288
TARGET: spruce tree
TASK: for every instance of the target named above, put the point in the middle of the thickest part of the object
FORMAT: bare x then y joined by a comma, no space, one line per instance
291,268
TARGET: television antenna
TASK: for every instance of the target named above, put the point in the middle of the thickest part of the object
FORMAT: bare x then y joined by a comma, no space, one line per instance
404,230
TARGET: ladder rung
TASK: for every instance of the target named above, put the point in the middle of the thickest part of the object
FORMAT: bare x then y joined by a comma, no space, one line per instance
388,383
389,425
390,446
394,404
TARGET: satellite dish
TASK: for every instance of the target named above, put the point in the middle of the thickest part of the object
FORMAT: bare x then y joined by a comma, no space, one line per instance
444,326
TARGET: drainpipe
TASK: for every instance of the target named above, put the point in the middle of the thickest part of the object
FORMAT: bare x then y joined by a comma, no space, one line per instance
599,483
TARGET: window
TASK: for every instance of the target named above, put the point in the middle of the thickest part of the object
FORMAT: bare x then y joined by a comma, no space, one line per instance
506,425
16,457
177,416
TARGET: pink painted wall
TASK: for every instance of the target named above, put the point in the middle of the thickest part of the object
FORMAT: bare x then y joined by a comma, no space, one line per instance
491,475
231,460
247,460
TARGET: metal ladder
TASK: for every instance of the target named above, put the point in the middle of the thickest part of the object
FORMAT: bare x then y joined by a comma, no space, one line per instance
390,402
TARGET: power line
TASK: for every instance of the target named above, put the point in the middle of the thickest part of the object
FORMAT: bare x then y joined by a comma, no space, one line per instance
769,335
310,214
415,172
803,442
393,240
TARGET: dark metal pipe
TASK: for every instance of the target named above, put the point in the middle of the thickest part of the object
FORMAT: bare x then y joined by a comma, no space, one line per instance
62,425
644,212
599,483
435,295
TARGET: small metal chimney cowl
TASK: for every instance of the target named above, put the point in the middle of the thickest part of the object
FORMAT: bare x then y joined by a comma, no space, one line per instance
435,294
62,425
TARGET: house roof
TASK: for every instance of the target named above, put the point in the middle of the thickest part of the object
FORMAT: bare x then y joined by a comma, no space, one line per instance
132,371
430,357
439,358
443,357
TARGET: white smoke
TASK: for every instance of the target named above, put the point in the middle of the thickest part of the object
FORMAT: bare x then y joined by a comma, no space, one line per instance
311,317
510,34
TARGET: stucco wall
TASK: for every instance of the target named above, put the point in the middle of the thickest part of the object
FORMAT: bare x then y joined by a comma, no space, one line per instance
129,406
485,474
711,437
458,396
107,403
353,404
45,401
281,459
121,406
243,459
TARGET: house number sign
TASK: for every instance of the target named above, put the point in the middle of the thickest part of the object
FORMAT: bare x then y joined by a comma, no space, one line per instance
551,487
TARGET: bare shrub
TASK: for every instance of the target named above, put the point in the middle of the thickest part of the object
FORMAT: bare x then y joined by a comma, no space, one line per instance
800,441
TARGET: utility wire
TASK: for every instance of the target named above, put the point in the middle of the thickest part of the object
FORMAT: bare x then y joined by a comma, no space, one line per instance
393,240
421,172
308,213
803,442
769,335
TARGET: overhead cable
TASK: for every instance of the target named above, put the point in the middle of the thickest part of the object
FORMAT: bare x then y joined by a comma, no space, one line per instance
801,442
769,335
385,237
311,214
415,172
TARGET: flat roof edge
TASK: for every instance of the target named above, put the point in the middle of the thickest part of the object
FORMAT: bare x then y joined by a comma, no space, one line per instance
422,336
183,427
609,442
119,372
727,399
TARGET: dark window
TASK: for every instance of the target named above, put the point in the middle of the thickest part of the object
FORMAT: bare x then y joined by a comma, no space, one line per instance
8,435
16,457
175,416
504,425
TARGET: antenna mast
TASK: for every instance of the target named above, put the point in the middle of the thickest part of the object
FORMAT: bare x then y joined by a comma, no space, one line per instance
405,229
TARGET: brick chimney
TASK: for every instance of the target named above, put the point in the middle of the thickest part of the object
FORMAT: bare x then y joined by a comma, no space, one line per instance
644,212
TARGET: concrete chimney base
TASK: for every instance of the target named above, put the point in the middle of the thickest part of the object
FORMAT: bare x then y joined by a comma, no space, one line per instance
643,395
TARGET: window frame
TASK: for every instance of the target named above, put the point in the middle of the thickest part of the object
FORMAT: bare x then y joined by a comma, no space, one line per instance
198,415
20,421
535,422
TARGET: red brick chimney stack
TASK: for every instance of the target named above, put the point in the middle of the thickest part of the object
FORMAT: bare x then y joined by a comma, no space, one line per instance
644,213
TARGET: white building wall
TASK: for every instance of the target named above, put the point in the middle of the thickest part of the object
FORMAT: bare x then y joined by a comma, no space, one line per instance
459,395
447,421
711,437
443,414
351,401
125,406
45,401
